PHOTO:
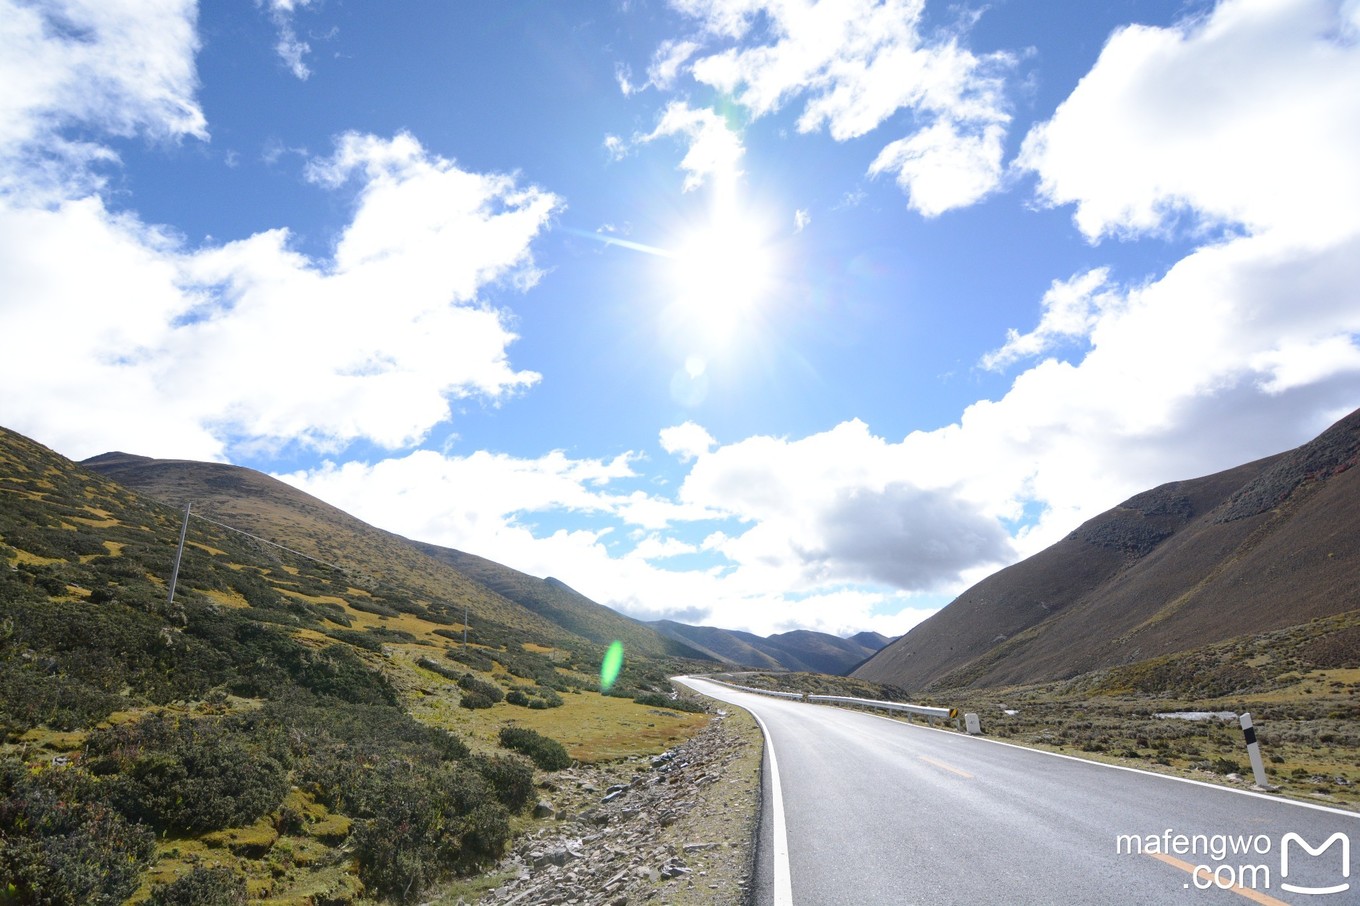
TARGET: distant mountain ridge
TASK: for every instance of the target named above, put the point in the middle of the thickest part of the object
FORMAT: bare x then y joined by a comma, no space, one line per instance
252,501
554,600
799,650
1262,546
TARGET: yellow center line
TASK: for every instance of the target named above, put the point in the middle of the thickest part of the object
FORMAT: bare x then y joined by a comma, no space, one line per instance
1255,896
943,766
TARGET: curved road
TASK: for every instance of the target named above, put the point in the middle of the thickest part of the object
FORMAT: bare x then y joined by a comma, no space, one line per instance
872,810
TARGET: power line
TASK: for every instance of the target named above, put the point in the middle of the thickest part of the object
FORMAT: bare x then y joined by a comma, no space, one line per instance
281,547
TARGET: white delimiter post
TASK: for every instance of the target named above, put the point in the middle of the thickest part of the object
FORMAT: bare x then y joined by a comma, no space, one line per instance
1254,752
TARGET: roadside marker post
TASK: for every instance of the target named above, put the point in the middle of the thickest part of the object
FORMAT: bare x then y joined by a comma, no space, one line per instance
1254,752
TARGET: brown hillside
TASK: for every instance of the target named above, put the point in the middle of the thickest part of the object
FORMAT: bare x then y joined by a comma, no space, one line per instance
254,502
1266,545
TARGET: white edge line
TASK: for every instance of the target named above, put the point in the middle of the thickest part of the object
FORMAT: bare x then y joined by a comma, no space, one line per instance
783,885
1121,767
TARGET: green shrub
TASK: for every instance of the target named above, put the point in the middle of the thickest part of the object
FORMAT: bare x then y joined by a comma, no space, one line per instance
474,701
217,886
367,641
547,753
373,607
661,700
517,697
510,776
549,697
417,827
470,683
191,775
430,664
62,844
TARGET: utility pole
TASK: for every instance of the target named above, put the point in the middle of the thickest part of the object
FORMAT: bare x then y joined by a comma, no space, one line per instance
174,576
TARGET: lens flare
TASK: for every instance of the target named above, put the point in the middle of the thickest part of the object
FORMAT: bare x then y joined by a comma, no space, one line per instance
610,666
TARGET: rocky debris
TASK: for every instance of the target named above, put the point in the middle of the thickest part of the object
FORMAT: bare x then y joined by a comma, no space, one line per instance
613,849
1329,454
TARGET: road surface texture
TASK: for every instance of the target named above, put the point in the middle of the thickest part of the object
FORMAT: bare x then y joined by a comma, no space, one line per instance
862,809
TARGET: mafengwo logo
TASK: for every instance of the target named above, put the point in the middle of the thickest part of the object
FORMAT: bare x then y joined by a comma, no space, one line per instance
1235,861
1345,854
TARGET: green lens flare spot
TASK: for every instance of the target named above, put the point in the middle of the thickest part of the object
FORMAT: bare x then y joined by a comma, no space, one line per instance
610,667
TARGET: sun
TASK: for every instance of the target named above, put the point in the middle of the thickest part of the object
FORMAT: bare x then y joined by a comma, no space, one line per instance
720,274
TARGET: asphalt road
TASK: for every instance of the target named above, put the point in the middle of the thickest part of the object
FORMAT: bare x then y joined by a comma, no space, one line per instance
872,810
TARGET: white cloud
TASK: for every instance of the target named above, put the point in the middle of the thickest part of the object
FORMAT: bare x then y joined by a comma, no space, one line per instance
493,504
1069,312
655,547
1249,116
942,168
686,441
289,47
842,506
371,344
119,67
1243,124
856,63
715,150
667,62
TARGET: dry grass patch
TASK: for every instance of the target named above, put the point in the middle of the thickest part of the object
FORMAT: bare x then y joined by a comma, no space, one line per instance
592,727
25,557
596,728
228,598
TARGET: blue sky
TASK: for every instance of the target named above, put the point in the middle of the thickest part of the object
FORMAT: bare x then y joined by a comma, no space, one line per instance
766,314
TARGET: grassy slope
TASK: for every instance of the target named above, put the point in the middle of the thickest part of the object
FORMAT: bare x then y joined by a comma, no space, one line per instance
257,503
75,541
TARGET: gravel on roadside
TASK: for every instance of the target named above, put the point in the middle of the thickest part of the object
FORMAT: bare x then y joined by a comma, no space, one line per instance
675,828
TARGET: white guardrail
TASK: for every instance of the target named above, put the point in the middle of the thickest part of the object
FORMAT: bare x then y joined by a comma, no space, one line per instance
770,692
923,710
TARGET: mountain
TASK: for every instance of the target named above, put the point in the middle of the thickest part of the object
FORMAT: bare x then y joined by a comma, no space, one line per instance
871,640
800,650
264,506
302,685
556,601
1259,547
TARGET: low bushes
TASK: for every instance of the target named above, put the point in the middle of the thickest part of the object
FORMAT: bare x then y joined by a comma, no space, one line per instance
418,826
191,775
62,843
217,886
478,693
537,698
661,700
548,754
